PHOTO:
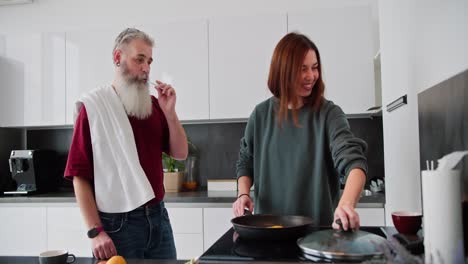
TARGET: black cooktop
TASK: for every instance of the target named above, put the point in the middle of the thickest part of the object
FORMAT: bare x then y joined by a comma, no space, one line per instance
231,248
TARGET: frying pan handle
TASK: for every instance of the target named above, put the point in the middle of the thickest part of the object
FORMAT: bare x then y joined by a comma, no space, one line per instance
247,212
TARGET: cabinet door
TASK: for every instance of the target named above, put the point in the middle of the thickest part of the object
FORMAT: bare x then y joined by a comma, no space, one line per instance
12,89
23,231
180,58
187,227
371,216
33,75
216,221
89,64
344,39
66,230
240,56
188,246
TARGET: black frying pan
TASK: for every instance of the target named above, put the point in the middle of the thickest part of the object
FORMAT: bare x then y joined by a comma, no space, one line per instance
271,227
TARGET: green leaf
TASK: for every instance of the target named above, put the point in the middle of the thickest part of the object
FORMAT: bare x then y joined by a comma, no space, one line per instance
170,164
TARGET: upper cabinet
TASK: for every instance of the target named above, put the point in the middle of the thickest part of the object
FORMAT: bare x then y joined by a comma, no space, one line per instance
32,70
240,54
218,66
89,64
180,56
344,39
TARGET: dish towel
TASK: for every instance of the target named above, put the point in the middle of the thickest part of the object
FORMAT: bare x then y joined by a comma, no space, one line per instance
120,183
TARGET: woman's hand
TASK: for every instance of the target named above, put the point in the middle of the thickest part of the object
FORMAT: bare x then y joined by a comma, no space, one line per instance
243,202
348,216
351,193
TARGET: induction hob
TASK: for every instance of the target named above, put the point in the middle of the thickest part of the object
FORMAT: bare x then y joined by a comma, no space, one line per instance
231,248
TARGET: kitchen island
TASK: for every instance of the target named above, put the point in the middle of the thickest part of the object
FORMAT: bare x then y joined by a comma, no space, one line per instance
35,223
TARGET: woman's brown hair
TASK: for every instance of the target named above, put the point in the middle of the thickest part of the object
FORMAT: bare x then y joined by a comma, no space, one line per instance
285,71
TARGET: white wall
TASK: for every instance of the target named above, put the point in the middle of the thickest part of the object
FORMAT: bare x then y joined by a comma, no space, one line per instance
441,41
401,148
422,43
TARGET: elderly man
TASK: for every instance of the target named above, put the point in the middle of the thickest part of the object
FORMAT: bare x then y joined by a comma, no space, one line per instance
115,158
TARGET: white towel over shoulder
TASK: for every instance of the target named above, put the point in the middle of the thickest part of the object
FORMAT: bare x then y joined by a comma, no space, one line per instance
120,183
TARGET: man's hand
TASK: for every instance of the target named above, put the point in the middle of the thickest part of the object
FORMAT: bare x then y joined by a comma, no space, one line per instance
103,247
166,98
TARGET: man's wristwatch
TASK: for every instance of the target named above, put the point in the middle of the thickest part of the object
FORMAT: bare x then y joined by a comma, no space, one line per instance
93,232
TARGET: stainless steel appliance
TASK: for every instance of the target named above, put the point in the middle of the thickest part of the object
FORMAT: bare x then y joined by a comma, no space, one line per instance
34,171
6,182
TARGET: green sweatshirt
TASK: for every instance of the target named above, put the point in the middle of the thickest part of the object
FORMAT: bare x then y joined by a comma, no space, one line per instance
296,170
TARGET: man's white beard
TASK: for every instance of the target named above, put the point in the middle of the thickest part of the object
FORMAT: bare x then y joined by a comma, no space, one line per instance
135,97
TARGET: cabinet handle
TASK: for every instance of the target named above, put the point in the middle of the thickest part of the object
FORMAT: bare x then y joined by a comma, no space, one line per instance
397,103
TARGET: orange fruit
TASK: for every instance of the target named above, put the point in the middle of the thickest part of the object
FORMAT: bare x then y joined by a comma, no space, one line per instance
102,262
116,260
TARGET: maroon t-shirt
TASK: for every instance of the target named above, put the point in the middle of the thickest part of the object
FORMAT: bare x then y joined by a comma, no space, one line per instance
151,138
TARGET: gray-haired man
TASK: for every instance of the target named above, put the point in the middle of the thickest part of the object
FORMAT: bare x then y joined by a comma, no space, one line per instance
115,156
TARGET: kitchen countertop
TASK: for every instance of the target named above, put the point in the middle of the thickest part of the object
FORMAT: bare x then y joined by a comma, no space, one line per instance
207,198
35,260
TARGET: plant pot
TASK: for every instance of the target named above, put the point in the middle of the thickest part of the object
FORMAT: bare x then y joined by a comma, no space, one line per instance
173,181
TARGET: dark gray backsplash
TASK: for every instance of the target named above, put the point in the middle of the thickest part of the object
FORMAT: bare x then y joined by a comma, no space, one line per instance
53,139
443,121
371,131
218,146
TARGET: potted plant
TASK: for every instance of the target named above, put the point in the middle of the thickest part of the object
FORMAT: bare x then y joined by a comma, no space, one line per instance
173,173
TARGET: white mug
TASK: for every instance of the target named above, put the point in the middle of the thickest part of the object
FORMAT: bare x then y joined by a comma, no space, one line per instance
56,257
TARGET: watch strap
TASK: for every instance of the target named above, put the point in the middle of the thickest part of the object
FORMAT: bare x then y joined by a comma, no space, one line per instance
93,232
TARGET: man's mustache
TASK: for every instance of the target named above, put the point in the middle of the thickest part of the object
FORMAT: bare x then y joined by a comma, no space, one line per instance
138,79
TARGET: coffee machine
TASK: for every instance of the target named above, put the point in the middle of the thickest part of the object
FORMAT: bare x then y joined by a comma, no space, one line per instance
35,171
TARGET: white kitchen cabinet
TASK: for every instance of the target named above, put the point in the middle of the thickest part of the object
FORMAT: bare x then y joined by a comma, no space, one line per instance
28,229
371,216
66,230
187,226
22,231
188,246
180,58
12,89
32,69
344,39
2,45
89,63
240,50
216,221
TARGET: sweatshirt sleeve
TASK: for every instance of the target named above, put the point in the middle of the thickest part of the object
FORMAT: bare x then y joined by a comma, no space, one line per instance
244,165
347,150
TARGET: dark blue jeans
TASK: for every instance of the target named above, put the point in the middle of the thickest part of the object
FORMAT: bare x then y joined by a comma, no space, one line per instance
144,233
